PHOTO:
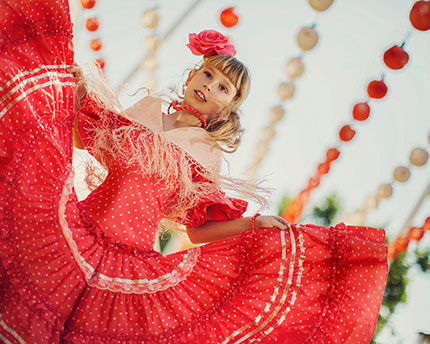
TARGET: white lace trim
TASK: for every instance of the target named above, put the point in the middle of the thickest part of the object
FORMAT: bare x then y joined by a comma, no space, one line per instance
118,284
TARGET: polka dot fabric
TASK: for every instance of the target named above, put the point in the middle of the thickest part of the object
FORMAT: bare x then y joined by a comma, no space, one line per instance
86,272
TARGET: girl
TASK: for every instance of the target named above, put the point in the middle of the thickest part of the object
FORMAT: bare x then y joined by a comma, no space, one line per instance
86,272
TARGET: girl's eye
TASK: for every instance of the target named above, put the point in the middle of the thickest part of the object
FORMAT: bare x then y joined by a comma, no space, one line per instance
208,74
223,88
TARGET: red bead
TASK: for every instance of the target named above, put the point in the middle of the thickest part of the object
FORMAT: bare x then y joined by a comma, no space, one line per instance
88,4
346,133
228,17
175,105
396,57
361,111
92,24
377,89
420,15
101,63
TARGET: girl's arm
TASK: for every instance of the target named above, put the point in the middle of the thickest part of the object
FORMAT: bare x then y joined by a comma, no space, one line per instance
219,230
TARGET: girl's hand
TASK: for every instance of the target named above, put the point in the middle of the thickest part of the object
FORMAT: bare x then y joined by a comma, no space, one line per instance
81,86
263,221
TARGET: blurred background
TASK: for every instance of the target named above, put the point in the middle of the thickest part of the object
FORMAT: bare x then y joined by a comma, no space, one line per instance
337,121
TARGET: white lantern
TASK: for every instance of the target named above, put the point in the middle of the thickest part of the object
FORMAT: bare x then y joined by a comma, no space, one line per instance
401,174
276,113
295,68
320,5
286,90
150,63
418,157
150,18
384,191
307,38
151,43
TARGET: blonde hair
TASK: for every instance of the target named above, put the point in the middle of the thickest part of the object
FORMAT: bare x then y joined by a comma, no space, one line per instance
221,131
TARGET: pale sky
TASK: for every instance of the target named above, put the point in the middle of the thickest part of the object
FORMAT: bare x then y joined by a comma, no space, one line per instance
353,35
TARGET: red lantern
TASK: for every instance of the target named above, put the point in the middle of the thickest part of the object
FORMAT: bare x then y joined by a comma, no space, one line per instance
416,233
96,44
377,89
88,4
101,63
396,57
346,133
313,183
361,111
420,15
427,224
323,168
228,17
332,154
92,24
401,243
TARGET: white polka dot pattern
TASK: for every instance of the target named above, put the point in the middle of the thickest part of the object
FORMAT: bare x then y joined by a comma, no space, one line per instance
86,272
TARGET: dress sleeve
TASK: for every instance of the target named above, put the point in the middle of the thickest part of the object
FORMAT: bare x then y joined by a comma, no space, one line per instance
92,118
217,207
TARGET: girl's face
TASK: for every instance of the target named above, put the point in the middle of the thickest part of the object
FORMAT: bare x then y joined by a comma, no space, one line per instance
208,91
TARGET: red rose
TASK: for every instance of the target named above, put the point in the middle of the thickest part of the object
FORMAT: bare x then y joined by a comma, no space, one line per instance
209,43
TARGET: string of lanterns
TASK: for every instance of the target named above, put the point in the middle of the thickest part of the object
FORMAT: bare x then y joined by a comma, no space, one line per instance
417,157
92,25
307,39
402,242
394,58
150,20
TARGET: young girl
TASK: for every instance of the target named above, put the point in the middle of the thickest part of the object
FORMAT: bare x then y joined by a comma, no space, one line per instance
86,272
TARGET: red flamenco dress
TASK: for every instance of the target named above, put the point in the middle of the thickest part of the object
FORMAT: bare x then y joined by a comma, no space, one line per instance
86,272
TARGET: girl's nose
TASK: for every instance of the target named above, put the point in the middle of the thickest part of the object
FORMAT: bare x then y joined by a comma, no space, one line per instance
207,87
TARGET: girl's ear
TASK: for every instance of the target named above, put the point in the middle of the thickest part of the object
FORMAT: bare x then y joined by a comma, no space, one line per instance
190,76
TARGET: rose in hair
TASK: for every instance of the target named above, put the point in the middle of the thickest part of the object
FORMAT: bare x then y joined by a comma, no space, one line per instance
209,43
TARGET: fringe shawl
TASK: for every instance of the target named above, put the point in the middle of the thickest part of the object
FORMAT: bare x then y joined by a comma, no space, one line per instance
110,136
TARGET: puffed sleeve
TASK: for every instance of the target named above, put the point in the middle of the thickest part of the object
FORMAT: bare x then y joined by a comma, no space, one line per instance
93,118
216,207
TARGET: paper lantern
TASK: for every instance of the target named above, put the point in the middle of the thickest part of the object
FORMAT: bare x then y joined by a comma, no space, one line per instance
286,90
357,217
267,134
150,18
384,191
371,203
95,44
377,89
88,4
323,168
332,154
261,150
361,111
320,5
346,133
420,15
151,83
401,174
150,63
313,183
92,24
307,38
101,63
416,233
295,68
276,113
418,157
228,17
396,57
151,43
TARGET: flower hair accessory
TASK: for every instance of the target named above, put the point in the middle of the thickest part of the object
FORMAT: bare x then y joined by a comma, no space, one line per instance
209,43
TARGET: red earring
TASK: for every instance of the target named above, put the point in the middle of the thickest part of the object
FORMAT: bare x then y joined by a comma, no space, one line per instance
183,89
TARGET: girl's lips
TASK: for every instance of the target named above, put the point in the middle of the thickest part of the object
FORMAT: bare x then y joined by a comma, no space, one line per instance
200,95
